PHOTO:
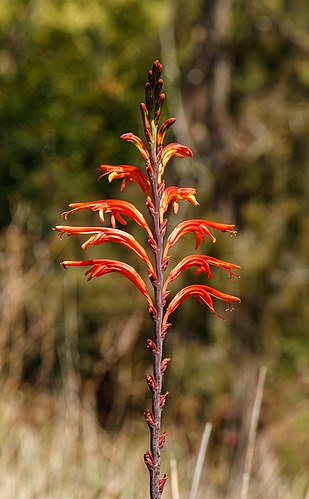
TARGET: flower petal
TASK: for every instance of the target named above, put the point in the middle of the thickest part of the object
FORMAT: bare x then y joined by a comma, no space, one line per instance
129,173
114,206
163,129
139,143
172,194
202,263
100,235
199,227
102,267
203,294
173,149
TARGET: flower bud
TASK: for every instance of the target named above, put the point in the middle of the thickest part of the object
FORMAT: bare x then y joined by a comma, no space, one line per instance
152,347
151,78
163,399
158,88
159,102
151,382
162,438
149,417
148,96
157,69
164,364
149,460
162,483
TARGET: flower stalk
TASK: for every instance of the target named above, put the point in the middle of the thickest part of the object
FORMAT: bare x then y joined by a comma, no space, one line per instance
156,255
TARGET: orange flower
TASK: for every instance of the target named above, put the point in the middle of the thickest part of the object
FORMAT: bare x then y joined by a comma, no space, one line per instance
202,263
203,294
102,267
128,173
173,149
163,129
171,194
102,235
199,227
139,143
116,207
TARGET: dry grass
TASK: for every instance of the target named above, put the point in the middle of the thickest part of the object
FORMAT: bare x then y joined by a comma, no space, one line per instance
53,448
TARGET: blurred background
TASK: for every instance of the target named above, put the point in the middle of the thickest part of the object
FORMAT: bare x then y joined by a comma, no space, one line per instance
72,355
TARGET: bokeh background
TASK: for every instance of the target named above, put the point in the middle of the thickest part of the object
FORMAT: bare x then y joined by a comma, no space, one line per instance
72,355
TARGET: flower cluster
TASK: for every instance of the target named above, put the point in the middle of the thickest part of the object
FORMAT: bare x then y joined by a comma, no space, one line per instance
156,258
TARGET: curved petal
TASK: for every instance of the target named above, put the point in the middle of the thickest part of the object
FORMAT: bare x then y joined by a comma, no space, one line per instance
199,227
203,294
173,149
163,129
100,235
128,173
102,267
202,263
116,208
139,143
172,194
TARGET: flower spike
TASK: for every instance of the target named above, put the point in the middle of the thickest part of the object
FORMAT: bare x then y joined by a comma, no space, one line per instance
159,198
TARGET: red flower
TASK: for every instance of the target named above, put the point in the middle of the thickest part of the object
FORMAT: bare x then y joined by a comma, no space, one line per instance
172,194
128,173
102,235
202,263
139,143
203,294
199,227
116,207
102,267
173,149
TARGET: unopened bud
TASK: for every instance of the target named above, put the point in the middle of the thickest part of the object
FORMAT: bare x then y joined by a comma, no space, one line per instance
149,460
148,96
163,399
159,102
151,382
162,438
151,78
158,88
157,69
162,483
163,365
149,417
152,347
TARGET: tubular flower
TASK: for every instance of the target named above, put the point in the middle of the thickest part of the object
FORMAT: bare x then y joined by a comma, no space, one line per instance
202,263
101,267
203,294
128,173
172,194
173,149
162,131
116,207
199,227
139,143
100,235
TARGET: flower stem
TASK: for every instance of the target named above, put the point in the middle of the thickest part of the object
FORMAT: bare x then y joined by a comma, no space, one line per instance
158,292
